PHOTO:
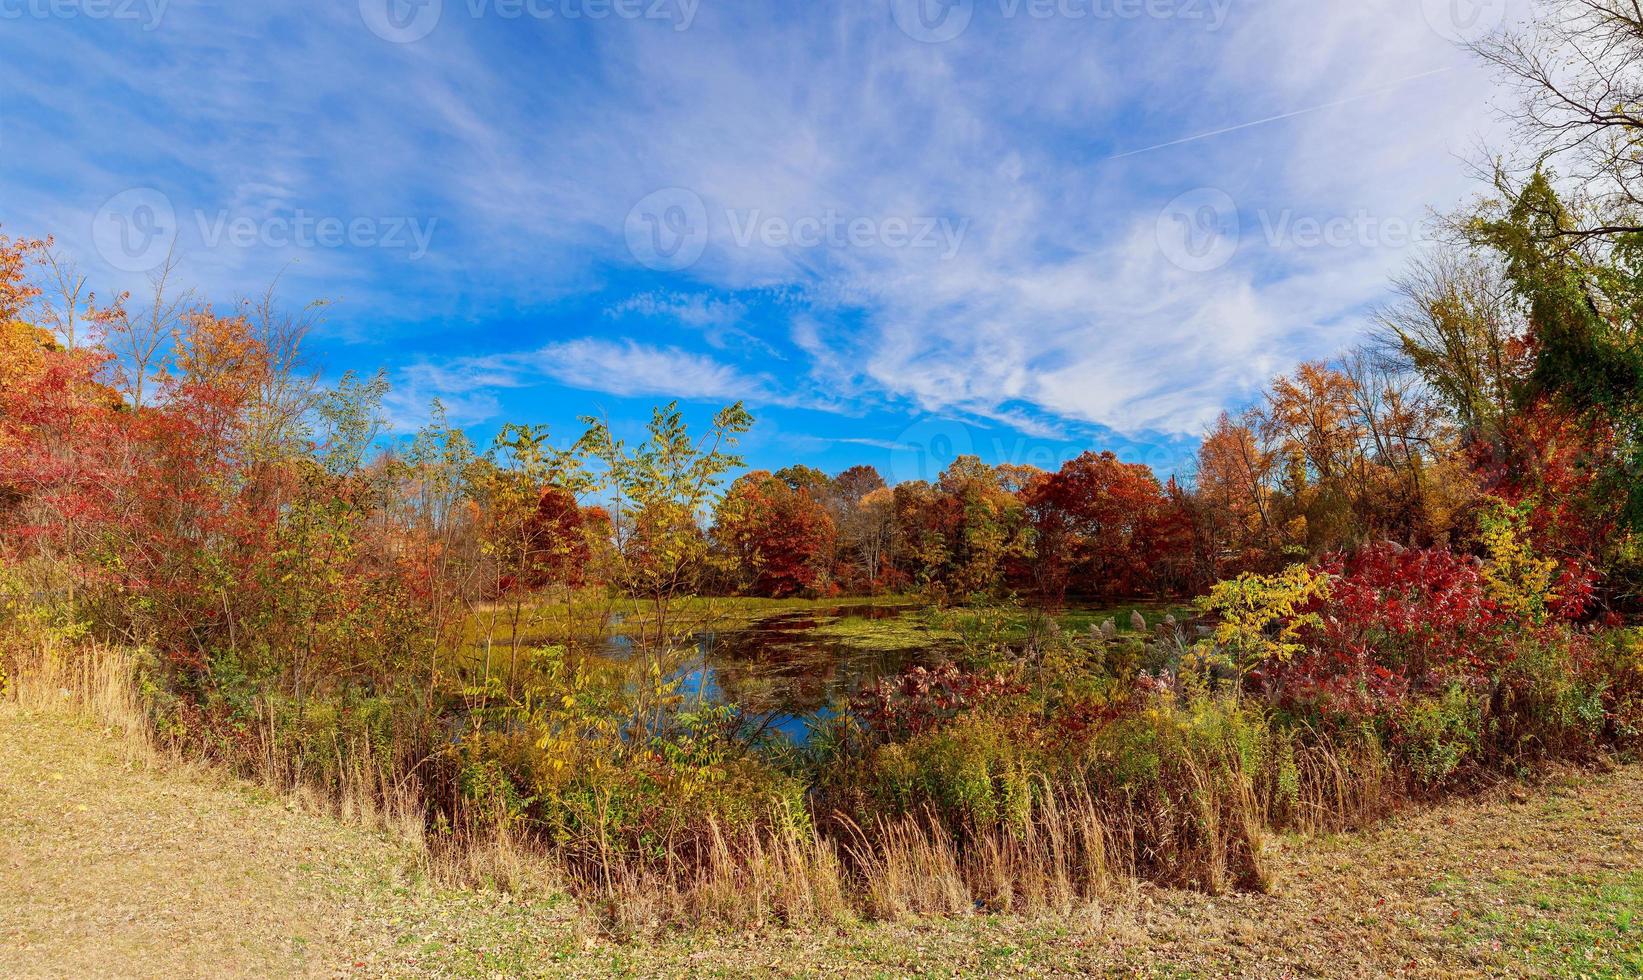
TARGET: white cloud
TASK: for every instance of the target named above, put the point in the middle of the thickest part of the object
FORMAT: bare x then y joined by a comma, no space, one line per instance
628,368
719,320
691,309
1059,306
468,386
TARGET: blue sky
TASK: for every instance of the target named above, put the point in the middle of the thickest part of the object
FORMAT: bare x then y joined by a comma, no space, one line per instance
898,229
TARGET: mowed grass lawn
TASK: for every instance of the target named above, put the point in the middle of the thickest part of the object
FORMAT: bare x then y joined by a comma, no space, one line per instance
112,868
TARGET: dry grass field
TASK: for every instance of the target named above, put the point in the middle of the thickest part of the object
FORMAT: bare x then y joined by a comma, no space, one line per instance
115,865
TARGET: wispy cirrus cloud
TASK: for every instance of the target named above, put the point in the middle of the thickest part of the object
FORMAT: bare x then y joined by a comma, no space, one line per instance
720,320
470,387
1066,302
628,368
699,310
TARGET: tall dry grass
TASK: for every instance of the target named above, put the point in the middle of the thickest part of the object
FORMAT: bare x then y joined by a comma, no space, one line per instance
88,681
1068,853
98,683
1064,858
360,789
1080,845
1339,788
787,876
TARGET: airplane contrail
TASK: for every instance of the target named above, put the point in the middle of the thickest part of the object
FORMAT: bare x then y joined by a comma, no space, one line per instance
1287,115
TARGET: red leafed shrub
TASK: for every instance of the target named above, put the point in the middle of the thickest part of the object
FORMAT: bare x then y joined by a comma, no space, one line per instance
1416,611
920,699
1554,459
1575,591
1077,721
1395,620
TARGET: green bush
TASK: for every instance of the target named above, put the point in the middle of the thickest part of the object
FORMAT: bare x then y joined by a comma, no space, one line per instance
1618,663
1436,734
975,772
1548,701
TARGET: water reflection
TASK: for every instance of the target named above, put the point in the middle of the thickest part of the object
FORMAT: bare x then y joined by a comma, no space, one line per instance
786,676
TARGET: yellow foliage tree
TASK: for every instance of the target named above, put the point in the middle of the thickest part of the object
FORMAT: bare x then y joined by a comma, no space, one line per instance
1261,616
1521,583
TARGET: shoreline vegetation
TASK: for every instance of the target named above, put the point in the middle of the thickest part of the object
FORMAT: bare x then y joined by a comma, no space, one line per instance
126,860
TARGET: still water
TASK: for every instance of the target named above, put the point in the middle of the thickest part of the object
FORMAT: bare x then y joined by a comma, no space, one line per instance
786,676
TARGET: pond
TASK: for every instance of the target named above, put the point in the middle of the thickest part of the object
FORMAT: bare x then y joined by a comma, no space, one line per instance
788,663
788,670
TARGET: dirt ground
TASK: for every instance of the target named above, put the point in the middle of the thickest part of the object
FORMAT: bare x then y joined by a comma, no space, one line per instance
113,867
